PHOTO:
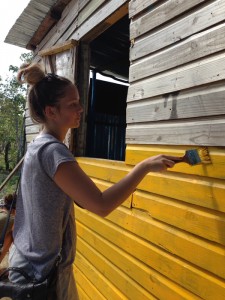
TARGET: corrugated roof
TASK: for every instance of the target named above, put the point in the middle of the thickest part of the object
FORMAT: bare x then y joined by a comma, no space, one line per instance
30,20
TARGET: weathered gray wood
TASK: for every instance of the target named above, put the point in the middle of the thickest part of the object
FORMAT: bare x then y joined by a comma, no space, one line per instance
195,47
97,18
28,121
89,9
82,4
136,6
33,129
69,16
77,33
199,102
209,132
30,137
204,71
58,48
160,15
200,20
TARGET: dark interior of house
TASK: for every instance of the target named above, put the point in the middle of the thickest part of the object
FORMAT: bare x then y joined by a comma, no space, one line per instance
106,123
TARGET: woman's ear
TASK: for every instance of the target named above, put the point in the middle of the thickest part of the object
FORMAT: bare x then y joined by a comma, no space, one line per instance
50,112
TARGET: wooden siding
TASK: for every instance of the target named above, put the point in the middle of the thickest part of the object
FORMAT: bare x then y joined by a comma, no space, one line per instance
165,242
78,20
177,73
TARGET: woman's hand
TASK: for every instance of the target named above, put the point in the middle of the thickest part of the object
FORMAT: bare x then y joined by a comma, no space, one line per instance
160,162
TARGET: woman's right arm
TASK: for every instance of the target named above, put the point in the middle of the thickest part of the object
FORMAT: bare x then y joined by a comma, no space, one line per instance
76,184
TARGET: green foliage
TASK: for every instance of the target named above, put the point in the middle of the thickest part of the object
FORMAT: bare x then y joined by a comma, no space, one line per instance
10,187
12,109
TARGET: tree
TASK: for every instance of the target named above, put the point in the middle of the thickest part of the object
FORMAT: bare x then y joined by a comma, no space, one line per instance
12,110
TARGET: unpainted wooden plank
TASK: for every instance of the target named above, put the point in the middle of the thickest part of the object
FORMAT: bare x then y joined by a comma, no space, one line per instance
99,280
137,153
33,129
202,101
89,9
161,14
68,18
201,19
204,71
28,121
106,23
200,191
105,13
58,48
136,6
156,284
205,223
82,4
193,132
30,137
193,48
126,237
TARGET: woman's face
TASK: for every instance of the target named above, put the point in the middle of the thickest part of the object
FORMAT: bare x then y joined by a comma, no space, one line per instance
69,108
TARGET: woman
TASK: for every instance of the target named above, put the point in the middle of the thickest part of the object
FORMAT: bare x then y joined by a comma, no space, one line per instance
52,181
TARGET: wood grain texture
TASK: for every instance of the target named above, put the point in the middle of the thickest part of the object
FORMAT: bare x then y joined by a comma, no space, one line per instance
107,237
137,153
137,6
204,71
195,47
158,15
58,48
67,27
207,132
204,223
104,286
197,21
152,281
82,281
196,102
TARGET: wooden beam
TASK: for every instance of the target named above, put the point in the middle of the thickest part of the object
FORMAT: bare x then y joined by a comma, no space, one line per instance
58,48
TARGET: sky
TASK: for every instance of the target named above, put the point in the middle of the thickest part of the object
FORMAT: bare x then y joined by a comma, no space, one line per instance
9,54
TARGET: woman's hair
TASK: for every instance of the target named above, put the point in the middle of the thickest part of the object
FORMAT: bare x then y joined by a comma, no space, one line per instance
45,89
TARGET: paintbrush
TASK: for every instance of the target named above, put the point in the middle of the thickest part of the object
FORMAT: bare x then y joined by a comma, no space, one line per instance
196,156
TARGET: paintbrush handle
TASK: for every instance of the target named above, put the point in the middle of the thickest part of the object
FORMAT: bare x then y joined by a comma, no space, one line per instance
179,160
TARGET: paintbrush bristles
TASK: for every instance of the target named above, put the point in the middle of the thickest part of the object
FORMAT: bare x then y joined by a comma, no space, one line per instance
204,155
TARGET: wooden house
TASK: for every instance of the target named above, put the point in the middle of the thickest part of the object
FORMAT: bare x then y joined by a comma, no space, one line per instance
167,241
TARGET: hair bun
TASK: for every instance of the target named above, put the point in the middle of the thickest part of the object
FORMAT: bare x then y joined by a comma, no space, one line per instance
30,73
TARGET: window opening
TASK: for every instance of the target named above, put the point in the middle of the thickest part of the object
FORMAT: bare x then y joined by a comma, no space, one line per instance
106,121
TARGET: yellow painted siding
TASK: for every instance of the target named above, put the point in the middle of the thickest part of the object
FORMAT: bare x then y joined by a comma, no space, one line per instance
166,242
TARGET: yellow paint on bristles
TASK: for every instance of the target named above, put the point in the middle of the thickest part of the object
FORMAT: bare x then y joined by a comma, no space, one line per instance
204,155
